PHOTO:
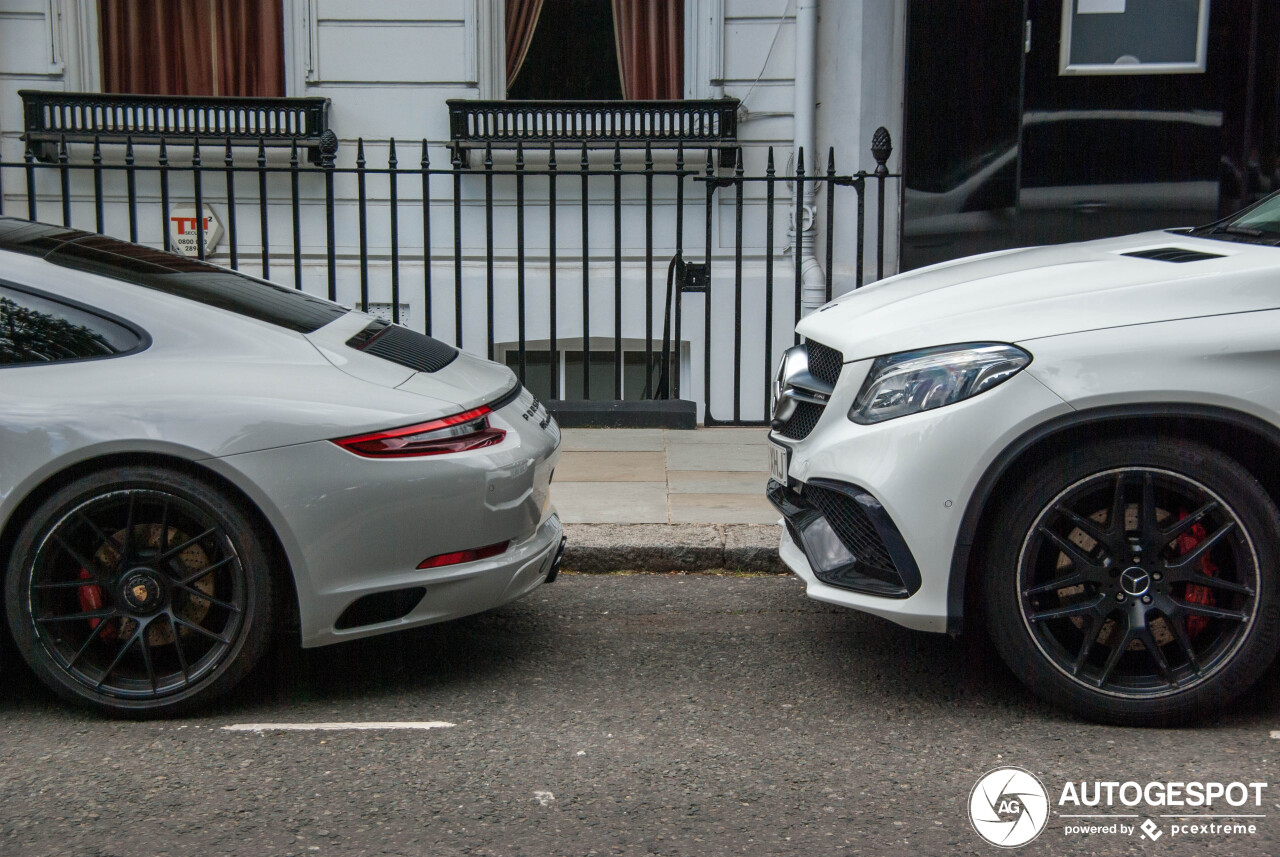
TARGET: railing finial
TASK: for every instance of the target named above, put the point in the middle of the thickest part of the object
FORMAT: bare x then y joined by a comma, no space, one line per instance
881,149
328,147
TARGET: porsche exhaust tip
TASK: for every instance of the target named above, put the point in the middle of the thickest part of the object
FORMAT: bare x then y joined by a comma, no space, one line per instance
555,563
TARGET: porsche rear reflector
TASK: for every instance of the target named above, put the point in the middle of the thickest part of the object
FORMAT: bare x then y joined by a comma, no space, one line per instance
458,433
463,556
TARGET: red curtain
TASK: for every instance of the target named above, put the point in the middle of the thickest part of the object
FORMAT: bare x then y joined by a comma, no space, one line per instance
522,20
192,47
249,41
649,34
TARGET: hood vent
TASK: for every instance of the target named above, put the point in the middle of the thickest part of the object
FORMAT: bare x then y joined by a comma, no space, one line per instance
403,346
1172,254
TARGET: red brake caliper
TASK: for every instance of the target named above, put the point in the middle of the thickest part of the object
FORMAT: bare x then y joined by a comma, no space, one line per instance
90,600
1197,594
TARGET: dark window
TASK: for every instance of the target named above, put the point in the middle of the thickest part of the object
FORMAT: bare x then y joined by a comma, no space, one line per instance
197,281
538,372
595,50
35,329
572,55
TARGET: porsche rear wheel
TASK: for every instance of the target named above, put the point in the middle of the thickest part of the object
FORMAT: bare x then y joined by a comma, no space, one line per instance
1136,581
139,591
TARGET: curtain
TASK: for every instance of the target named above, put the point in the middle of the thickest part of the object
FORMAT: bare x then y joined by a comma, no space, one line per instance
158,47
649,34
249,47
192,47
522,20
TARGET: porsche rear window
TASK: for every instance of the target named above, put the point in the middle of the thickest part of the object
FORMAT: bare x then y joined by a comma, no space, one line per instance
175,275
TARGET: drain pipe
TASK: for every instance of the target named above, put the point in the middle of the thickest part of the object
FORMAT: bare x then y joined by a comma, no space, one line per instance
813,280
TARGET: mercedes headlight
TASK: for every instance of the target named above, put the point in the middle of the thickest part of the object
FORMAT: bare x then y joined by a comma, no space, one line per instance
914,381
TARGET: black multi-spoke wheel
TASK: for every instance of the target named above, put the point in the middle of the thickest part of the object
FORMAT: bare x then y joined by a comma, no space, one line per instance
1135,582
139,590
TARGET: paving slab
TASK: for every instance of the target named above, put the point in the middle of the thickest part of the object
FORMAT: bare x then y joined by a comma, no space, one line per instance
628,440
716,481
603,502
583,466
718,456
655,500
754,436
721,509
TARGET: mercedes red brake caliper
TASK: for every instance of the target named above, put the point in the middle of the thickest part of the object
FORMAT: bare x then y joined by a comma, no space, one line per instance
1196,594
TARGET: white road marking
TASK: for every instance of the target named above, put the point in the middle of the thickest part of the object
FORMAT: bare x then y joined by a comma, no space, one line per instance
337,727
1276,734
544,798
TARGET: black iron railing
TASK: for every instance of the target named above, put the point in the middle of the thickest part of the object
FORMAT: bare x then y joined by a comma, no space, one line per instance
629,124
420,213
83,117
816,180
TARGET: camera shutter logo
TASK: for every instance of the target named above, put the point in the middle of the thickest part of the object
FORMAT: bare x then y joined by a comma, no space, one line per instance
1009,807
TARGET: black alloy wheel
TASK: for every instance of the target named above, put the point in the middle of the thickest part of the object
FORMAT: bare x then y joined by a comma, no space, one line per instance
1137,581
139,591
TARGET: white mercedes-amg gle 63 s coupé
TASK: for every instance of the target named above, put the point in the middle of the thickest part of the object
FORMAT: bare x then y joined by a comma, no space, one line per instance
1074,445
190,457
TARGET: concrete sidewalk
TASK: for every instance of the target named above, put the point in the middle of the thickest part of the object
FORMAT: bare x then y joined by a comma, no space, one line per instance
659,500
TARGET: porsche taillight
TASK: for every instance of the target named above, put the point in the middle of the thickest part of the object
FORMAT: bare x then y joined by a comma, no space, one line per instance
458,433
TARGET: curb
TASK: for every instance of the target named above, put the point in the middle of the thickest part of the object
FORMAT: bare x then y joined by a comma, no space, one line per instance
603,548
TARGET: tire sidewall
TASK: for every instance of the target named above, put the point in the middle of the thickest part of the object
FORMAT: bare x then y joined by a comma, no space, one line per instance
254,630
1026,504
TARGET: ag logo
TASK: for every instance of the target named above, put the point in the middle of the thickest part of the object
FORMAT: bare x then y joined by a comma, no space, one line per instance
1009,807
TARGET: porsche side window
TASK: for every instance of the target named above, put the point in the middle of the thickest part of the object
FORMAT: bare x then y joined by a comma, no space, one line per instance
34,329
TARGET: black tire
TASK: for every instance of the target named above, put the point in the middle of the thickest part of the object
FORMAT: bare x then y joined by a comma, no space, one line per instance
139,592
1135,581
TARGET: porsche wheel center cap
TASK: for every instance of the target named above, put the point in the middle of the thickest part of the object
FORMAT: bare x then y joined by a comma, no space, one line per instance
141,591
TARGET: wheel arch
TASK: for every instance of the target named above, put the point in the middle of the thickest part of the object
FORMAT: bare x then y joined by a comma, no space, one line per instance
1247,439
280,564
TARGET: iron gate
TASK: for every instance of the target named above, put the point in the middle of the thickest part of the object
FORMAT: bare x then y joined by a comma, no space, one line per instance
719,323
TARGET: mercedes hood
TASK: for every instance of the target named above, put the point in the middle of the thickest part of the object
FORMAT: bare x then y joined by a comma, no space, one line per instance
1020,295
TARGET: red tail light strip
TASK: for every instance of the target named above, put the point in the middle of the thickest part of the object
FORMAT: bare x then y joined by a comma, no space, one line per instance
458,433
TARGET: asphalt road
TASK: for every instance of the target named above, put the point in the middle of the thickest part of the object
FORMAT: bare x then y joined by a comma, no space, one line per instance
639,714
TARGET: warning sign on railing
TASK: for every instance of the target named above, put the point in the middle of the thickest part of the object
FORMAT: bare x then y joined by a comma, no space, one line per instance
184,230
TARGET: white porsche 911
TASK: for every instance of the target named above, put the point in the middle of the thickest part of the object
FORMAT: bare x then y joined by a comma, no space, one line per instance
1075,444
189,455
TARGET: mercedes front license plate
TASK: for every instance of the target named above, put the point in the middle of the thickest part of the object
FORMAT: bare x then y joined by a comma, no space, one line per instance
779,459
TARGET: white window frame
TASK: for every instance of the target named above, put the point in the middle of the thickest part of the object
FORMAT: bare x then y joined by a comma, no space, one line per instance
1066,68
81,29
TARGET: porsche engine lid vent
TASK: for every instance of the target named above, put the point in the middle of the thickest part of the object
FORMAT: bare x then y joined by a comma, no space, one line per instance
1172,254
403,346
